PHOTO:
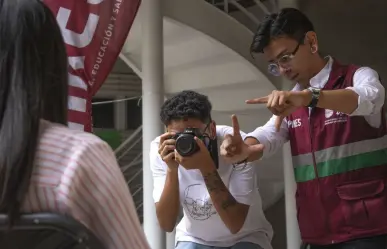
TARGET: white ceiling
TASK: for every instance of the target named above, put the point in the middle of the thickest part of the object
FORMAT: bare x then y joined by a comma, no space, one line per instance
194,60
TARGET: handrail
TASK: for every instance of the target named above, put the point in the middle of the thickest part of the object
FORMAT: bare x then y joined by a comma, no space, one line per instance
262,6
135,161
134,176
225,6
139,206
137,191
129,148
128,140
245,11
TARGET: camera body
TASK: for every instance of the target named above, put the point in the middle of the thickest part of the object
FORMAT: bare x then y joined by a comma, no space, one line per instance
185,141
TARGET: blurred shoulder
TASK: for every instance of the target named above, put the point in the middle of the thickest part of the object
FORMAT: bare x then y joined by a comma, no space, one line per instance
68,139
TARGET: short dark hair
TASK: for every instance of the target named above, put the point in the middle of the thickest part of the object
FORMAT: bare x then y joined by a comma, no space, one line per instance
288,22
186,104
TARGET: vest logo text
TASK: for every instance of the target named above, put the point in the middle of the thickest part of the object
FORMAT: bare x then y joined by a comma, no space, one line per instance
332,117
294,123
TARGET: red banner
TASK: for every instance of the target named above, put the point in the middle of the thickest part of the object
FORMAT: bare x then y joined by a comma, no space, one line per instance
94,32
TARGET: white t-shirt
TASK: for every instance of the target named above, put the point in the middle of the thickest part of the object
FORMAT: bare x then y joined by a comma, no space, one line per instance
201,223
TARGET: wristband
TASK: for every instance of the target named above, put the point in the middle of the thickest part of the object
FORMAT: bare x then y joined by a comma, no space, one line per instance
244,162
315,96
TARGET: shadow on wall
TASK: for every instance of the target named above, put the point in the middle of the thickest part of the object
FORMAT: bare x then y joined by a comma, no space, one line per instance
276,216
353,27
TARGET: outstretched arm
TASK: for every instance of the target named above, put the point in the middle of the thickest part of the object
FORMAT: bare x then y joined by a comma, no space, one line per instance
268,136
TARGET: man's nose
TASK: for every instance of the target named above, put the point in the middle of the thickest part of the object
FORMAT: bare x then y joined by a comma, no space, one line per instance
283,70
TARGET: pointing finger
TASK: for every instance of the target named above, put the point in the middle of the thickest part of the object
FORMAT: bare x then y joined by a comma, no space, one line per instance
235,125
262,100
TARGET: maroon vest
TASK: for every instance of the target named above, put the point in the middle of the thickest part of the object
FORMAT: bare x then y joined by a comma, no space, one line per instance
340,166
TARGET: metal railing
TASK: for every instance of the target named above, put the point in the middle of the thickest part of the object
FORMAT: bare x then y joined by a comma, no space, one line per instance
266,7
121,149
132,169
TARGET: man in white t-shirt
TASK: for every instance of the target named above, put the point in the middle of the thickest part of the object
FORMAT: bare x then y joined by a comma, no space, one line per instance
221,203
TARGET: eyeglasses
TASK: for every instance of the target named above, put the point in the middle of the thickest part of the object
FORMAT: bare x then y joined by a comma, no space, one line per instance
206,135
284,61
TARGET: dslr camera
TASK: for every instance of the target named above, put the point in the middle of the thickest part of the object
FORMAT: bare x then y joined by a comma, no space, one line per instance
185,142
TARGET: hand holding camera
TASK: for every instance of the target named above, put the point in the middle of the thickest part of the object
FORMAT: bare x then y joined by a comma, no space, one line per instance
198,157
187,149
167,149
192,151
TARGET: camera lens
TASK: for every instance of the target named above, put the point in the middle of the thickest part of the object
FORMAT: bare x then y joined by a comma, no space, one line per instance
186,145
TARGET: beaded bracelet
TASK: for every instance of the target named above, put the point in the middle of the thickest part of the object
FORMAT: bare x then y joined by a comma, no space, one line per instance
244,162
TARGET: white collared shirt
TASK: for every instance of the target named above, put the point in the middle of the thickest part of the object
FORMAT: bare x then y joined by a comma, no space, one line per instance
366,84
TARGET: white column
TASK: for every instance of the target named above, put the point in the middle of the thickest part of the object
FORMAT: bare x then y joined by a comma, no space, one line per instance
152,99
120,114
171,239
292,231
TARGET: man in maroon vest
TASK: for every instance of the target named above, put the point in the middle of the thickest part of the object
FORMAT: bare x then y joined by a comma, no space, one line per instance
335,122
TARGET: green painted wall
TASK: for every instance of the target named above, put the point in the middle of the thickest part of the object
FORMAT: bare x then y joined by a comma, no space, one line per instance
112,137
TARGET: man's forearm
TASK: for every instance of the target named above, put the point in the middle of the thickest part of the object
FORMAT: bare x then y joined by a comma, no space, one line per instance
167,208
253,155
232,213
342,100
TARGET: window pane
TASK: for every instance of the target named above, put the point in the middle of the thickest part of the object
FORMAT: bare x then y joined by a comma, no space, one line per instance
134,115
103,114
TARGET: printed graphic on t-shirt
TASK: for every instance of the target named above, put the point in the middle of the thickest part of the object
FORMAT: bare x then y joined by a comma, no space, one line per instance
198,206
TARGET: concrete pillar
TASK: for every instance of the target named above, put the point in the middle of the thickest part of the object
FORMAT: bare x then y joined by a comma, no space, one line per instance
120,114
152,99
171,239
292,230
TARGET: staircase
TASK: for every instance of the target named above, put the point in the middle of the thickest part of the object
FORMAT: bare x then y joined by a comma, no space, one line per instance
230,6
250,13
129,156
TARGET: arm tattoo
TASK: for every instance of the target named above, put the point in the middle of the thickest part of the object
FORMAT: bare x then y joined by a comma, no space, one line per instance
215,184
230,201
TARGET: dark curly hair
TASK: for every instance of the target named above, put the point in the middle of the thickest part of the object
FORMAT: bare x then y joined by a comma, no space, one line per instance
288,22
186,104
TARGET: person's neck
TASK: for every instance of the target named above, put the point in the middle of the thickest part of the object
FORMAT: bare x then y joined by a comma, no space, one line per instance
315,67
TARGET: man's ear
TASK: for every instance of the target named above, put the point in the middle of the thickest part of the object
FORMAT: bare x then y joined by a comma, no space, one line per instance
213,129
311,38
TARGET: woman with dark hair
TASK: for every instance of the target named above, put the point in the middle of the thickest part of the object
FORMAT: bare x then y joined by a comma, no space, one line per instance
44,166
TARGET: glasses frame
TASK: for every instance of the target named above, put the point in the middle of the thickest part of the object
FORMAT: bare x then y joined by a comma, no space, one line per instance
284,61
